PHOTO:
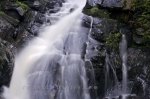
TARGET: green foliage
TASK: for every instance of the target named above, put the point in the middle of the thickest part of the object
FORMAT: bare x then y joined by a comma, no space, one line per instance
96,12
22,5
112,41
142,15
142,18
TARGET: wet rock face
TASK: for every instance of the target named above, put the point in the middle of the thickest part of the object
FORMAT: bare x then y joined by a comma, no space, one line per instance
96,50
138,57
125,4
101,27
44,5
6,63
139,70
6,29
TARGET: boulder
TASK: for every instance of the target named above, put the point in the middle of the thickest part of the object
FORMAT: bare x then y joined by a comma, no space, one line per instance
15,9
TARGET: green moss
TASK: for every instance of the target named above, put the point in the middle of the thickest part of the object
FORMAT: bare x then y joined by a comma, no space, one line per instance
96,12
22,5
1,13
112,41
141,18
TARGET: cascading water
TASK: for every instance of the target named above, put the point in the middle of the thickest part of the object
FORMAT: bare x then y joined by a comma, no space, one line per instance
50,66
123,53
113,89
111,80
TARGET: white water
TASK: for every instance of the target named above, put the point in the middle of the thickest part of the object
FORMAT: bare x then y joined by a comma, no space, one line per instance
50,66
113,88
123,53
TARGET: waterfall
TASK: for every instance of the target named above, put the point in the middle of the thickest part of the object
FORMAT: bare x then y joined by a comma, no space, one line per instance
123,53
51,65
113,89
111,80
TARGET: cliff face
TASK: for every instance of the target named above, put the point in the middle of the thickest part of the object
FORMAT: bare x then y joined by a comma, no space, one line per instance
112,18
20,21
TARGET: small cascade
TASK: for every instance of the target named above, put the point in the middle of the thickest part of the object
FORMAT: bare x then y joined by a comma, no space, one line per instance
89,65
114,89
123,54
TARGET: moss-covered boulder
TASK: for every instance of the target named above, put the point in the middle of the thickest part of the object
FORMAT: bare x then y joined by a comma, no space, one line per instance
15,9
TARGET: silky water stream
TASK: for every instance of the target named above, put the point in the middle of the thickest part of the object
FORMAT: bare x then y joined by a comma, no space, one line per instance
51,66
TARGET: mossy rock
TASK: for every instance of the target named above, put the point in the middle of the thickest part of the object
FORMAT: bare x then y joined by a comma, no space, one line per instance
22,5
96,12
6,63
112,41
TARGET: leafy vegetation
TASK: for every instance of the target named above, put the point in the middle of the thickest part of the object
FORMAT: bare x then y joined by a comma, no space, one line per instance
142,18
22,5
112,41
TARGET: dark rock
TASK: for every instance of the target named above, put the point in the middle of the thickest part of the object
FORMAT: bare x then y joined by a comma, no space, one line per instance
124,4
35,29
15,9
96,49
95,56
21,11
33,21
9,19
138,40
36,4
139,70
108,3
40,18
45,5
54,4
6,63
101,31
101,27
14,14
112,3
86,21
6,29
22,40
